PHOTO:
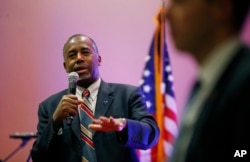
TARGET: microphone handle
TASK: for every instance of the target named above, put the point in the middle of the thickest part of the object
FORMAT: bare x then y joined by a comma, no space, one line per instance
71,90
69,120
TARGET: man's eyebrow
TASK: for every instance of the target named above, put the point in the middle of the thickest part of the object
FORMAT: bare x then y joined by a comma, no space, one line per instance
85,48
72,50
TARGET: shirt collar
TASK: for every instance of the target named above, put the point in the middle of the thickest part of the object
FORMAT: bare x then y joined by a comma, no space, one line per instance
220,57
93,89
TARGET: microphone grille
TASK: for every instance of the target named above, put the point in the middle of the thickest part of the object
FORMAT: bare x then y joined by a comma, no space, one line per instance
73,77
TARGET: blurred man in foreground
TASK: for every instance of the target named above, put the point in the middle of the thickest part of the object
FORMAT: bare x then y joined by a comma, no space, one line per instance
215,124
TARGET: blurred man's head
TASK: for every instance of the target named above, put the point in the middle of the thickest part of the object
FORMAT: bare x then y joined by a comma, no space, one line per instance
197,26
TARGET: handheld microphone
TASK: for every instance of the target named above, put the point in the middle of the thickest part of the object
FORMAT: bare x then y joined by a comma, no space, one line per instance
23,135
73,78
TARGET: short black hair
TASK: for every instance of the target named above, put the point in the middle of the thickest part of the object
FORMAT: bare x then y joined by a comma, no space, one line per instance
81,35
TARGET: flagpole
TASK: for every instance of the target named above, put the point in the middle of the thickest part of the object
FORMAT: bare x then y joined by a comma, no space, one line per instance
159,79
162,46
162,95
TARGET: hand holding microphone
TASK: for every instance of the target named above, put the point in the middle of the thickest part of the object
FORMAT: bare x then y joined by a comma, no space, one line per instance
67,107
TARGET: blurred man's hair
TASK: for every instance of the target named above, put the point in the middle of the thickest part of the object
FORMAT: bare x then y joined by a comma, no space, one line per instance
240,12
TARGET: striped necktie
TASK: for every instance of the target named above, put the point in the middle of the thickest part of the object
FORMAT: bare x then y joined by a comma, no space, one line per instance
86,112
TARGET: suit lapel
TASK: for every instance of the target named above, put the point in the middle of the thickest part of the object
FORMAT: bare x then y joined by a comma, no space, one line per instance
227,85
104,99
234,73
76,126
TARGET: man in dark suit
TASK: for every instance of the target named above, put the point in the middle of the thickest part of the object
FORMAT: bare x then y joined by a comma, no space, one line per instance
216,122
120,125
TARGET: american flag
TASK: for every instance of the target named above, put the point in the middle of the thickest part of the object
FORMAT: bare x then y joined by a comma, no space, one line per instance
157,87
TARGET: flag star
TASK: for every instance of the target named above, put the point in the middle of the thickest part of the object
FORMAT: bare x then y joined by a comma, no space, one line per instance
149,104
171,78
147,58
168,68
146,73
146,88
163,87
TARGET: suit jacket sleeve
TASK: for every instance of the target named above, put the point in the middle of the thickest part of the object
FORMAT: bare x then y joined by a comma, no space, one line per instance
142,131
48,142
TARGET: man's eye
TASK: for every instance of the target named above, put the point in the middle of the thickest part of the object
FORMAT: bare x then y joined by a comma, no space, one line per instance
71,54
85,52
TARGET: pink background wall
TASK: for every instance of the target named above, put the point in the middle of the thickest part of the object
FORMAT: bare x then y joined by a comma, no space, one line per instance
32,34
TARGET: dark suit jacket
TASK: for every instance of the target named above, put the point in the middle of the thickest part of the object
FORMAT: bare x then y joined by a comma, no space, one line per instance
117,100
224,123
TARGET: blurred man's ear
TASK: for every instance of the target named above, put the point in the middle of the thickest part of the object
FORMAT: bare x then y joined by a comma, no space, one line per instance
223,11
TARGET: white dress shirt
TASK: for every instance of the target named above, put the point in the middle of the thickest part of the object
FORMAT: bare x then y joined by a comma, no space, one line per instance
93,90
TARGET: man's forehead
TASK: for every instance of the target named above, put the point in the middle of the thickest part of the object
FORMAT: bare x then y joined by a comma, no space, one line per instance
79,39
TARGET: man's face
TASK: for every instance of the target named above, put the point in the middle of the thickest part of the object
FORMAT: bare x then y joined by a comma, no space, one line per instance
80,55
191,23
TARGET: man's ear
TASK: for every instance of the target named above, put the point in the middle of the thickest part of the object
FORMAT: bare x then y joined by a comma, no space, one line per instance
99,60
64,65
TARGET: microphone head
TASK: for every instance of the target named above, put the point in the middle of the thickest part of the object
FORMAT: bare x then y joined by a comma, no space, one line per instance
73,77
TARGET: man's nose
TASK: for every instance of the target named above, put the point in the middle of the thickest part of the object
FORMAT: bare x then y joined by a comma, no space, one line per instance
80,57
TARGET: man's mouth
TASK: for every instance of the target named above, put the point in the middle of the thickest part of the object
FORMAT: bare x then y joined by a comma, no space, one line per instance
81,69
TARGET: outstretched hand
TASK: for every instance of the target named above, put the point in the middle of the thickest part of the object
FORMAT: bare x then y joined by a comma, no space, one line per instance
108,124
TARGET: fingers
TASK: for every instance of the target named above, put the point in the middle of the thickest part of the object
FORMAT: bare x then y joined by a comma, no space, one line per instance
79,101
96,121
107,124
96,127
67,105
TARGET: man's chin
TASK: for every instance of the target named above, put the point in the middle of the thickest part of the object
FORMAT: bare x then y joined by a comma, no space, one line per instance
84,77
84,82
